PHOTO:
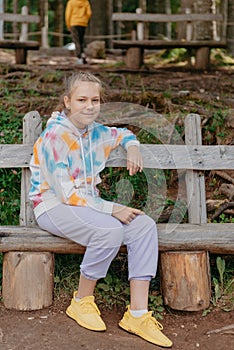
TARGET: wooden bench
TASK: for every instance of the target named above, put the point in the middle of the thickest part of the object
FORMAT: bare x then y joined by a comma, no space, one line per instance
21,45
28,263
135,47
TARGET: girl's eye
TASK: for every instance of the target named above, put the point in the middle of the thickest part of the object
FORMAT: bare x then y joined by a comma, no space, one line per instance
96,100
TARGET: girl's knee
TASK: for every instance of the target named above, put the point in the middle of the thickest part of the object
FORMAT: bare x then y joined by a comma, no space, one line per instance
147,222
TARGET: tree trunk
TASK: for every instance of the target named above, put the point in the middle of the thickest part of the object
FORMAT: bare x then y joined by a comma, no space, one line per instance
202,31
230,27
156,29
99,22
58,25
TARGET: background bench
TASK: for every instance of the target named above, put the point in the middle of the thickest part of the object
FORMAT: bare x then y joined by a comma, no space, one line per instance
21,45
28,263
135,47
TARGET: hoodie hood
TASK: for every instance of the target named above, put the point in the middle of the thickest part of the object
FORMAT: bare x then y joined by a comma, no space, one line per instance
78,13
62,121
79,3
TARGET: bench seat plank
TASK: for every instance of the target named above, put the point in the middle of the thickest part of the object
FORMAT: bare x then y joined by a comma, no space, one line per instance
216,238
16,44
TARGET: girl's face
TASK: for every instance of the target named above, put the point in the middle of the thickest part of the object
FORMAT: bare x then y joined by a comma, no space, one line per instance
84,104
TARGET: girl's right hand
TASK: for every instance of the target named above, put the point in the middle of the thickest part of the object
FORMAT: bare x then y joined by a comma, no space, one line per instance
125,214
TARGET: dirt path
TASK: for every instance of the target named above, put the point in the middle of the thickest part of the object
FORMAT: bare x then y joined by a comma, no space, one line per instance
52,329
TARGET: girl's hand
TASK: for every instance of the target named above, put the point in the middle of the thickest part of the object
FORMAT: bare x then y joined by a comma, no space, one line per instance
125,214
134,160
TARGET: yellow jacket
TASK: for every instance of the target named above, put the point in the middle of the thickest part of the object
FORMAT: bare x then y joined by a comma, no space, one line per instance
78,13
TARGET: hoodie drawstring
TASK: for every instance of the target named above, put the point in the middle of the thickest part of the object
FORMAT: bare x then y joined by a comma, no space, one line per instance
91,164
91,161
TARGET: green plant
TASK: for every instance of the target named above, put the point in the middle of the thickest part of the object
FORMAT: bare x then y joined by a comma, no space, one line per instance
66,274
223,287
223,218
215,128
10,196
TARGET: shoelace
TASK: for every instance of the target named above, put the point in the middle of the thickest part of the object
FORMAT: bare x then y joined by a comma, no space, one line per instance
89,307
152,322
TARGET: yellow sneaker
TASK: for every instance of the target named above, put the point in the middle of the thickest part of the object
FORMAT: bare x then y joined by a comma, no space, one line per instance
86,313
146,327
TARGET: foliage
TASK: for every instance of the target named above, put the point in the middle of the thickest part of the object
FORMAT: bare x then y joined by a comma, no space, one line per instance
215,128
9,196
223,218
222,284
10,178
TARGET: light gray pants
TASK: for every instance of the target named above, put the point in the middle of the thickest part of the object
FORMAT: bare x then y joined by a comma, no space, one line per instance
102,235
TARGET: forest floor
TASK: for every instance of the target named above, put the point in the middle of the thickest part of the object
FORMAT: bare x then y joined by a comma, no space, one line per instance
167,88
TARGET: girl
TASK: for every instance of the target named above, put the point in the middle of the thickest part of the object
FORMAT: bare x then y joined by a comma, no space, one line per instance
67,160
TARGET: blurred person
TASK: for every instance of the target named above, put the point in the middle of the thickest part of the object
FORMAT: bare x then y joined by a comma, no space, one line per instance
77,16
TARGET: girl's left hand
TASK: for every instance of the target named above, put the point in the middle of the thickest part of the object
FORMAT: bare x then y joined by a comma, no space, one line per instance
134,160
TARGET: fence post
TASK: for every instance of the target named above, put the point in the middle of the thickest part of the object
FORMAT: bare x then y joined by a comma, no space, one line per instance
28,277
24,26
185,276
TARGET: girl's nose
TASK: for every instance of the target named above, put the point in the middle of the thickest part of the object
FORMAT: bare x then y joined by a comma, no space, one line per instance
89,104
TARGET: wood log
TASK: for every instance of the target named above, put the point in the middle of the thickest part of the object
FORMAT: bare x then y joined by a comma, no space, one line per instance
216,238
227,190
185,280
202,59
28,280
224,175
134,57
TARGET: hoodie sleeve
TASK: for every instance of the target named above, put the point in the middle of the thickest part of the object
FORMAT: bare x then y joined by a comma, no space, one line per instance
54,163
121,136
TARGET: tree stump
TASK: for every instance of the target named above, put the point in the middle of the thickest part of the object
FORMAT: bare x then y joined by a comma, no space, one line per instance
28,280
202,59
185,280
134,57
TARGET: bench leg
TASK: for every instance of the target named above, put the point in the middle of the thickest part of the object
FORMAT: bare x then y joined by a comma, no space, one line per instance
28,280
134,57
202,59
20,56
185,280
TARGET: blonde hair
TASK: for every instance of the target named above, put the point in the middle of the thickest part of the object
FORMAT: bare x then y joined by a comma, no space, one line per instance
73,81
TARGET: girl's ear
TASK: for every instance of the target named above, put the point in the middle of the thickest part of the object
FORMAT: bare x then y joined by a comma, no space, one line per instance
66,102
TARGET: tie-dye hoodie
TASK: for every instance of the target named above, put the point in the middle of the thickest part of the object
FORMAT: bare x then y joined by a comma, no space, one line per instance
66,163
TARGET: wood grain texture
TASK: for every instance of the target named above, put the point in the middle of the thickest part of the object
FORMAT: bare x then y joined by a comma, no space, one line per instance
215,238
186,280
164,156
